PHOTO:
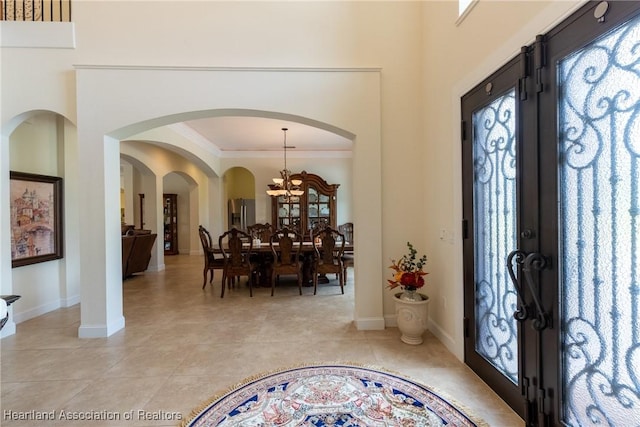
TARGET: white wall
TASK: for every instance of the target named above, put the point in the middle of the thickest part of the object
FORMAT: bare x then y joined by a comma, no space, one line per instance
35,147
458,58
426,62
327,34
36,135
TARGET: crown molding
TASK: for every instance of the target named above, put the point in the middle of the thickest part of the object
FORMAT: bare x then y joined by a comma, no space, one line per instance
229,69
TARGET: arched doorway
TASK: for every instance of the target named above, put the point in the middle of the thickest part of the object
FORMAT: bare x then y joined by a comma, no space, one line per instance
183,95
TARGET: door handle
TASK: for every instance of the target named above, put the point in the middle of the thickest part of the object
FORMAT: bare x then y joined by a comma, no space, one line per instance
529,263
522,313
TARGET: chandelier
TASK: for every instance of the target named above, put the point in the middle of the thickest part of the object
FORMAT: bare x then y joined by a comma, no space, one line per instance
285,186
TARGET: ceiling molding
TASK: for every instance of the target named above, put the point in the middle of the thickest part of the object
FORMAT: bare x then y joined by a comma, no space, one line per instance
231,69
192,135
299,154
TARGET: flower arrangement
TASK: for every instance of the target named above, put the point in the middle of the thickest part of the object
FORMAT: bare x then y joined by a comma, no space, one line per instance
409,274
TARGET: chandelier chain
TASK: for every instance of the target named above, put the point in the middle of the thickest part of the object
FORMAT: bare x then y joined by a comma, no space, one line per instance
285,186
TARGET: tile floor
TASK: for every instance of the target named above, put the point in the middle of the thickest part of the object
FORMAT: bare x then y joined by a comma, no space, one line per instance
182,345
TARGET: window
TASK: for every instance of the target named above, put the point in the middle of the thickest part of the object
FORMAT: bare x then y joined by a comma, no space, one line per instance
464,7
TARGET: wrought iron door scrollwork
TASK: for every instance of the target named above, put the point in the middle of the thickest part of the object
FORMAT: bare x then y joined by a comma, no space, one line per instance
529,263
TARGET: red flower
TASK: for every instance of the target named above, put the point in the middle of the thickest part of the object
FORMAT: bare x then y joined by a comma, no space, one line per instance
408,279
408,270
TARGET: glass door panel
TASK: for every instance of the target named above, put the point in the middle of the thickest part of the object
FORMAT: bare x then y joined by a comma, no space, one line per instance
494,190
494,340
599,138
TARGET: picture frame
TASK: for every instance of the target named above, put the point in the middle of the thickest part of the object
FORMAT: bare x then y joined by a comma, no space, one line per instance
36,218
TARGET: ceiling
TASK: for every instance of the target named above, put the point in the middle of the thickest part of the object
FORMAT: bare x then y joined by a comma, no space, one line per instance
235,133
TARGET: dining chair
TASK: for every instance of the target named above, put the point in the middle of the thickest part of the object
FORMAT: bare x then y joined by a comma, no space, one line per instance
296,225
237,258
211,261
317,226
262,232
328,245
348,256
286,248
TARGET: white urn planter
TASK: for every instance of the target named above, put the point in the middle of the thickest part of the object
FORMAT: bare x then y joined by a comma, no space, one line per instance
411,317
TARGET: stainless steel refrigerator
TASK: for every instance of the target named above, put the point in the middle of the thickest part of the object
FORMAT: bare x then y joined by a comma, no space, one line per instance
242,213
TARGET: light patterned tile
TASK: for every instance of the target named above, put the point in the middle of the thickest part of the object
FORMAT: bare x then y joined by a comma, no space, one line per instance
183,344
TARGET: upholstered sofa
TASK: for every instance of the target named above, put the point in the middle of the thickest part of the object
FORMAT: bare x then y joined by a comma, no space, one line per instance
136,251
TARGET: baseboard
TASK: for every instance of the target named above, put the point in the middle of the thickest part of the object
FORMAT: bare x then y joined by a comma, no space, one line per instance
101,331
69,302
45,308
390,321
444,337
370,324
156,268
36,311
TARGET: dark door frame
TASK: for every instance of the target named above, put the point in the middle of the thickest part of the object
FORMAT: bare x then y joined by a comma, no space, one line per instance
533,74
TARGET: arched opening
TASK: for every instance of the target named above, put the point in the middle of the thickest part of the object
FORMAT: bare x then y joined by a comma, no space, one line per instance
44,286
240,196
178,189
245,178
185,94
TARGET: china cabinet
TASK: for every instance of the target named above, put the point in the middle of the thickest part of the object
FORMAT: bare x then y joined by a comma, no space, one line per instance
170,210
318,203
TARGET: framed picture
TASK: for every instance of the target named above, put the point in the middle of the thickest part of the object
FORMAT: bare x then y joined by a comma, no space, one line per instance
36,218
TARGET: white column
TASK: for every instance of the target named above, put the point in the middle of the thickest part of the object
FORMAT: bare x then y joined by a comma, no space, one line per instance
70,263
155,218
6,284
100,241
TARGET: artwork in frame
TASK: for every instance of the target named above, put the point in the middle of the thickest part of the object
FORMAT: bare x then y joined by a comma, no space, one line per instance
36,218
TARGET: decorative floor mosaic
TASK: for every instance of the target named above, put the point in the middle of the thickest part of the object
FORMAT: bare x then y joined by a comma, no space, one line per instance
331,395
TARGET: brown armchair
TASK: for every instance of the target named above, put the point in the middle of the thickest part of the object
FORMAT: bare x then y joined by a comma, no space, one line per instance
136,252
286,256
328,245
237,258
211,261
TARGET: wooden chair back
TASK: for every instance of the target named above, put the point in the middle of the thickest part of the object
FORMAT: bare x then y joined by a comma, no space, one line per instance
211,261
328,247
348,259
296,225
286,248
205,238
234,251
347,230
260,231
317,226
237,256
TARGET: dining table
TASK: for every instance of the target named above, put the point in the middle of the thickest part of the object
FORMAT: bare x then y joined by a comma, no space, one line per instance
262,249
